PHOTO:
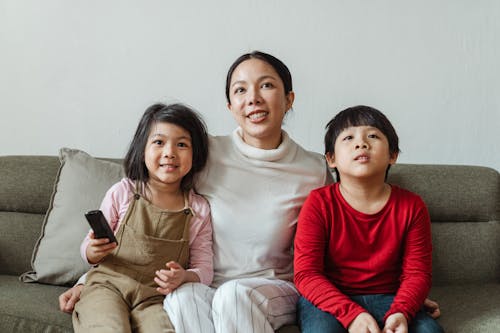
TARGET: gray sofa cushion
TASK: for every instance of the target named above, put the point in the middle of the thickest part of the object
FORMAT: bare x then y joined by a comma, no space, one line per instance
31,307
469,308
473,195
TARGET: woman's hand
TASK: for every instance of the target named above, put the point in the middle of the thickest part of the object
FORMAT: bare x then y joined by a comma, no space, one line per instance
364,323
68,299
432,308
98,249
396,323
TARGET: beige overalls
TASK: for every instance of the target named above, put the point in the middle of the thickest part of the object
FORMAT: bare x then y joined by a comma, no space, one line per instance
120,294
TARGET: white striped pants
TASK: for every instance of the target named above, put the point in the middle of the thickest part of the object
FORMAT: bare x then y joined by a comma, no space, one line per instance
256,305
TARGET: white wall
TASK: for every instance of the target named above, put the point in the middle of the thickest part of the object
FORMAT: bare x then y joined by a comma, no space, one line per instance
79,73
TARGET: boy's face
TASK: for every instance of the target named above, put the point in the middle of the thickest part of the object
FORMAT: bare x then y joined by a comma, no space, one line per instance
361,152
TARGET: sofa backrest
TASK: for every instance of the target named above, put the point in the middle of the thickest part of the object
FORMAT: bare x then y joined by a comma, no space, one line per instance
464,204
26,184
463,201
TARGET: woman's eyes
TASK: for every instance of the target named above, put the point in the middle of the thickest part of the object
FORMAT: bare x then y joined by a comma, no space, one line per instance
265,85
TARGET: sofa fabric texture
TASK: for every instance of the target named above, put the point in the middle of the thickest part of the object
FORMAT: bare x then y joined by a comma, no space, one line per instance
463,201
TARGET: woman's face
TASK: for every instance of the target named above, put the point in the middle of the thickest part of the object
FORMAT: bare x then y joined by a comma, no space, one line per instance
258,103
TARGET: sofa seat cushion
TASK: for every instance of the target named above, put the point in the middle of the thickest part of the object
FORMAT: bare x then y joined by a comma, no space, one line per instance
469,308
31,307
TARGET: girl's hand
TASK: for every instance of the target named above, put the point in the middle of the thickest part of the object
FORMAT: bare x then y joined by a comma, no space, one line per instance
396,323
98,249
68,299
171,278
364,323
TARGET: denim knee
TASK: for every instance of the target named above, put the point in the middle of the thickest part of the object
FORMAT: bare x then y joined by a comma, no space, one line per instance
423,323
313,320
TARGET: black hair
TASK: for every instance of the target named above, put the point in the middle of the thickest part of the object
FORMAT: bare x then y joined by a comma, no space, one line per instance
277,64
360,115
177,114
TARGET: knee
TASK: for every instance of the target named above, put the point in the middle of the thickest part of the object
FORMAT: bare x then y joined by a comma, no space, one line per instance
230,293
423,323
180,296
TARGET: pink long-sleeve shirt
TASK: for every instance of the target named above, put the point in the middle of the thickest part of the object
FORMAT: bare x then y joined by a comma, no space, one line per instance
116,202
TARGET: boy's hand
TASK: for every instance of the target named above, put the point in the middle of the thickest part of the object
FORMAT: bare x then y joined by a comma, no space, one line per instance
432,308
98,249
364,323
68,299
396,323
171,278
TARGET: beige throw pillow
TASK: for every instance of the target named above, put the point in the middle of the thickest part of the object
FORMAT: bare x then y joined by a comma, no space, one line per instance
81,183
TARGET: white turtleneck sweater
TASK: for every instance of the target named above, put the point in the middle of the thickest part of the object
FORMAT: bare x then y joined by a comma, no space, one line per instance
255,196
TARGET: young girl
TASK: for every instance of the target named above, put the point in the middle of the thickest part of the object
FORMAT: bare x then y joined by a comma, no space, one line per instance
158,220
363,246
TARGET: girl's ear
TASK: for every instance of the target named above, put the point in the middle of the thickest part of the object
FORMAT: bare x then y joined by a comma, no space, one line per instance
330,160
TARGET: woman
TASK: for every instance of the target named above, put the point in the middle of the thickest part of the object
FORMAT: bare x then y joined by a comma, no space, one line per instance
256,180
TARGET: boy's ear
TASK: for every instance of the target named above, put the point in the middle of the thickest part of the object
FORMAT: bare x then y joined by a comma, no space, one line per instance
330,160
393,158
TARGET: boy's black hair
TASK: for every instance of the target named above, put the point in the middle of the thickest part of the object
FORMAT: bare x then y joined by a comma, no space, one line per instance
278,65
360,115
177,114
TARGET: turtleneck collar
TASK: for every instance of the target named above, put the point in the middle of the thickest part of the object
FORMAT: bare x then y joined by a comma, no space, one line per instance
262,154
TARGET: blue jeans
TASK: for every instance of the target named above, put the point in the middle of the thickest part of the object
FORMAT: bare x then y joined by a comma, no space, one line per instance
313,320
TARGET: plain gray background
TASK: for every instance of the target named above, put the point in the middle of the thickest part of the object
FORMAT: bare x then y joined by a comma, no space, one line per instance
80,73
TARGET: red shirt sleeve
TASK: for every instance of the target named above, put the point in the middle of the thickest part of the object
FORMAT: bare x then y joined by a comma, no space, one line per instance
311,242
416,276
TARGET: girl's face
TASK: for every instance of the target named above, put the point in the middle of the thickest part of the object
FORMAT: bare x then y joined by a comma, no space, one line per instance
168,154
361,152
258,103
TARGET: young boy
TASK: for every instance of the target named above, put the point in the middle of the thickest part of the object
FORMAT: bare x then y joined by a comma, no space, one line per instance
363,247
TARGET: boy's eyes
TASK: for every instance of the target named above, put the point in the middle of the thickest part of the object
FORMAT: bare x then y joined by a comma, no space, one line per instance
371,136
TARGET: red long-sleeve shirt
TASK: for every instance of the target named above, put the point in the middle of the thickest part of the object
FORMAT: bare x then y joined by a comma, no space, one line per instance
340,251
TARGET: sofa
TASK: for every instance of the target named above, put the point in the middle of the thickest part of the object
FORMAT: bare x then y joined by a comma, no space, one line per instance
463,202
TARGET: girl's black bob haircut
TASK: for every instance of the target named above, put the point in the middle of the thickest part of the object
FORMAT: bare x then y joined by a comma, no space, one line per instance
177,114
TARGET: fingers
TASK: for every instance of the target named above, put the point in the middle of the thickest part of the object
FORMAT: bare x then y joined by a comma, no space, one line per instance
432,308
173,265
63,300
68,299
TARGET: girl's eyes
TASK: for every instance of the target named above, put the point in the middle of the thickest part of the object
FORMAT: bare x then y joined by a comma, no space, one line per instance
267,85
373,136
349,137
182,145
